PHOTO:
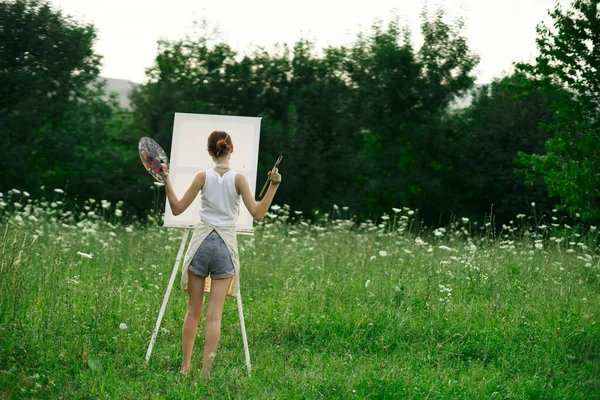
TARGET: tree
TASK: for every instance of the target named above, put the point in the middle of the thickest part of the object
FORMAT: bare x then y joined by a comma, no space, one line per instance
505,117
47,67
569,58
401,96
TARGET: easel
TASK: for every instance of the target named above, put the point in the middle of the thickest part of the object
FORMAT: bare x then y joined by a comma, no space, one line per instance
166,300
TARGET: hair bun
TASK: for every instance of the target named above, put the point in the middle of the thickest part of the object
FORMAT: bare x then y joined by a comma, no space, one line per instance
223,146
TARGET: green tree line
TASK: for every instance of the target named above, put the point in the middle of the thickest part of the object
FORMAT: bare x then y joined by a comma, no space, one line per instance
371,126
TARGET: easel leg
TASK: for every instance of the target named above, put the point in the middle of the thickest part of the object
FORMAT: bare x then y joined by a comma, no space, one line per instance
243,326
167,294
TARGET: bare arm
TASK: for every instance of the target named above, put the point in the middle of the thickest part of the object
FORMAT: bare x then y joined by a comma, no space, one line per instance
258,210
179,206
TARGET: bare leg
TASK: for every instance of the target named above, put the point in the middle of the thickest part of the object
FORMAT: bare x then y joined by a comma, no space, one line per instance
190,324
218,293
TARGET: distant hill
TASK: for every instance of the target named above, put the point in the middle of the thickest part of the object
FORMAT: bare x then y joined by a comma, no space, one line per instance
122,88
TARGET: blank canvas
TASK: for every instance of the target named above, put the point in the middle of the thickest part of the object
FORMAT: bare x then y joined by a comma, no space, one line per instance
189,156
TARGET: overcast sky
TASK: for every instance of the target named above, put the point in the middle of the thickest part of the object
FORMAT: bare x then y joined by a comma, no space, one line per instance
500,31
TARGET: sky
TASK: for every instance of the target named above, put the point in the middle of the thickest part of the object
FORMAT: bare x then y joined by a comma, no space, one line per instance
501,32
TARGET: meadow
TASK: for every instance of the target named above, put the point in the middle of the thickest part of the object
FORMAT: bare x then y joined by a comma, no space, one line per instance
334,309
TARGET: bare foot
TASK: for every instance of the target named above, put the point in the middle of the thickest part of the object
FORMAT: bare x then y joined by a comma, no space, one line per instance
185,371
206,375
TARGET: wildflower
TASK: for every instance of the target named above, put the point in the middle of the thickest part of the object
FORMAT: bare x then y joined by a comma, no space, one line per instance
372,258
592,228
396,210
105,204
118,213
411,212
129,229
85,255
385,217
419,242
159,184
383,253
367,283
533,204
446,248
112,234
465,220
122,326
335,207
59,191
32,218
26,194
539,246
520,216
345,208
18,218
15,191
275,207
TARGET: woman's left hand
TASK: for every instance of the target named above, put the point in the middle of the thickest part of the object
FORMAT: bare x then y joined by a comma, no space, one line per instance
165,169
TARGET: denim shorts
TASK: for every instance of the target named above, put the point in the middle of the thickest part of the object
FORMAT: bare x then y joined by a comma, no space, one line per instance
212,258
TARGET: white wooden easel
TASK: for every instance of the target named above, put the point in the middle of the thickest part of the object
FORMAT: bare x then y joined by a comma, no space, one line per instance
166,300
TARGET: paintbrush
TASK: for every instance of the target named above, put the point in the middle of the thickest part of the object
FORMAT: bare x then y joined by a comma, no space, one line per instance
267,182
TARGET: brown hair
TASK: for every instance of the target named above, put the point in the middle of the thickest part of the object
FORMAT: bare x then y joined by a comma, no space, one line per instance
219,142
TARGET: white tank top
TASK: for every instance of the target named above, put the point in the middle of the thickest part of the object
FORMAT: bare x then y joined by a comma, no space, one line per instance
220,199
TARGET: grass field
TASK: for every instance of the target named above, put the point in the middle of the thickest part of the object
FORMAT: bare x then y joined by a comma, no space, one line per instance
333,309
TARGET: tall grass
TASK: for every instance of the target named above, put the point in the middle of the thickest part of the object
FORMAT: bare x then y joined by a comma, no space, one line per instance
333,309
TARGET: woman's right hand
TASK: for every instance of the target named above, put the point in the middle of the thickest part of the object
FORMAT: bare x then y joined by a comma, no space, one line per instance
274,177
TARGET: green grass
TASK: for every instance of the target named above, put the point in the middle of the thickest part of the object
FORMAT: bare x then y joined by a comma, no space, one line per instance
327,314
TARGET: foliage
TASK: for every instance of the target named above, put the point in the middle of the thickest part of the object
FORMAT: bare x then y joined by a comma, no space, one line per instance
568,57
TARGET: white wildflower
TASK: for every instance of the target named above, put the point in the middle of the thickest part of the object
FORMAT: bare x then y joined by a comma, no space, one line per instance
411,212
383,253
122,326
533,204
385,217
367,283
396,210
26,194
520,216
275,207
592,228
59,191
465,220
419,242
118,213
446,248
85,255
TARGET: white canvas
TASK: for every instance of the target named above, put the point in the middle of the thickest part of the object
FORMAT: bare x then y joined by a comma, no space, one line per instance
189,156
